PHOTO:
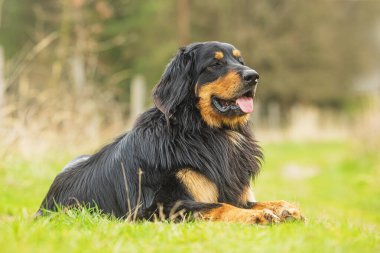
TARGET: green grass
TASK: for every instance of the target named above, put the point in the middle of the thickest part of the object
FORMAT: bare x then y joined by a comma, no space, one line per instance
337,187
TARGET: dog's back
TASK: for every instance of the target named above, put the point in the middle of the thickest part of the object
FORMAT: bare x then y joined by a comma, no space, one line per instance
99,181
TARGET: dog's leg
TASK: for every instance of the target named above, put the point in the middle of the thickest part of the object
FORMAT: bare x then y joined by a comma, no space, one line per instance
211,212
229,213
284,210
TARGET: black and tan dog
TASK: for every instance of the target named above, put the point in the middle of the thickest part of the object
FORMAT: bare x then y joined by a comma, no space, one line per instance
192,152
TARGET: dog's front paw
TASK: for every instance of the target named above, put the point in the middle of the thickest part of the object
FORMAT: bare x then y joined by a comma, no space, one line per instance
261,217
284,210
228,213
291,214
266,217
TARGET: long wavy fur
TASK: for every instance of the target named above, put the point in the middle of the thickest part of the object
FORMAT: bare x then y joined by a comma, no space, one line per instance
164,139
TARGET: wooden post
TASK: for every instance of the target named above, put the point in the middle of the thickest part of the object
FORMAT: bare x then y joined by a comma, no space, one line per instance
2,82
274,116
2,79
137,97
78,72
77,61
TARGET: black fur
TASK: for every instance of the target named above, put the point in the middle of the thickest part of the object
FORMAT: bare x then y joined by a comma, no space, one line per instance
164,139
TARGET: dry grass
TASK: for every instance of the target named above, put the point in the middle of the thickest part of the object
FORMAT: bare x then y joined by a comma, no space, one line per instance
38,121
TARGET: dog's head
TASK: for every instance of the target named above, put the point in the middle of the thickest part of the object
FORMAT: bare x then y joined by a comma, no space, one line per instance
212,78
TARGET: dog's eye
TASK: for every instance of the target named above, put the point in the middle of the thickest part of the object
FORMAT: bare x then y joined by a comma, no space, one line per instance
216,64
241,61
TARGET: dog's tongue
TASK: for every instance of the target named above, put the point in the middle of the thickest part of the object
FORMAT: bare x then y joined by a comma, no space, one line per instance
245,104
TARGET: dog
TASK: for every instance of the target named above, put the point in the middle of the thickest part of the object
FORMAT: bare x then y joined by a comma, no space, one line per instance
191,154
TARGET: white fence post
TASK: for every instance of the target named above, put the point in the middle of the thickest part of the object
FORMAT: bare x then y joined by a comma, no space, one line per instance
78,72
137,97
274,116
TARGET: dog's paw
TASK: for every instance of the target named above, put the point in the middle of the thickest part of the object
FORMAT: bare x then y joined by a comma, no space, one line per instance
266,217
260,217
291,214
232,214
284,210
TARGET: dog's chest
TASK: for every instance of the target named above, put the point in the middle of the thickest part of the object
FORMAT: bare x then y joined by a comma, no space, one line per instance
226,172
236,139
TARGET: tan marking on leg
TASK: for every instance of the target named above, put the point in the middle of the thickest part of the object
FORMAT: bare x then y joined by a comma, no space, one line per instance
247,195
251,196
218,55
236,53
229,213
284,210
224,87
198,186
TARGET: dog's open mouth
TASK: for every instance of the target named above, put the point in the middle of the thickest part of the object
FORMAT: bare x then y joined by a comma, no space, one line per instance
240,104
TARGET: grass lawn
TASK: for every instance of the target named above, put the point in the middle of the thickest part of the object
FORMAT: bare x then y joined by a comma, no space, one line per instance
336,185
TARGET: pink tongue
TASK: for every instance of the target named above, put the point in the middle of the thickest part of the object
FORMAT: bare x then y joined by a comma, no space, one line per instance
245,104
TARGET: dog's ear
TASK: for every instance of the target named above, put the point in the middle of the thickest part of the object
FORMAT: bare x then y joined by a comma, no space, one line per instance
175,84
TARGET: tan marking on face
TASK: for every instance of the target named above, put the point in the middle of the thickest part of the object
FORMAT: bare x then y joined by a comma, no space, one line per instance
236,53
219,55
224,87
199,186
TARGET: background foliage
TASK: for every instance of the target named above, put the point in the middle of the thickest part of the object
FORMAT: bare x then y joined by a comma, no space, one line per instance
305,51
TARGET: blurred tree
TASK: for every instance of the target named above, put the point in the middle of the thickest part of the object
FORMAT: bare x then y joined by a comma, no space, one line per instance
305,51
17,23
183,21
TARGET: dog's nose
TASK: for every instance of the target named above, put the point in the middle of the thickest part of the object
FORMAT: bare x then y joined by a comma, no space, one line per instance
250,77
